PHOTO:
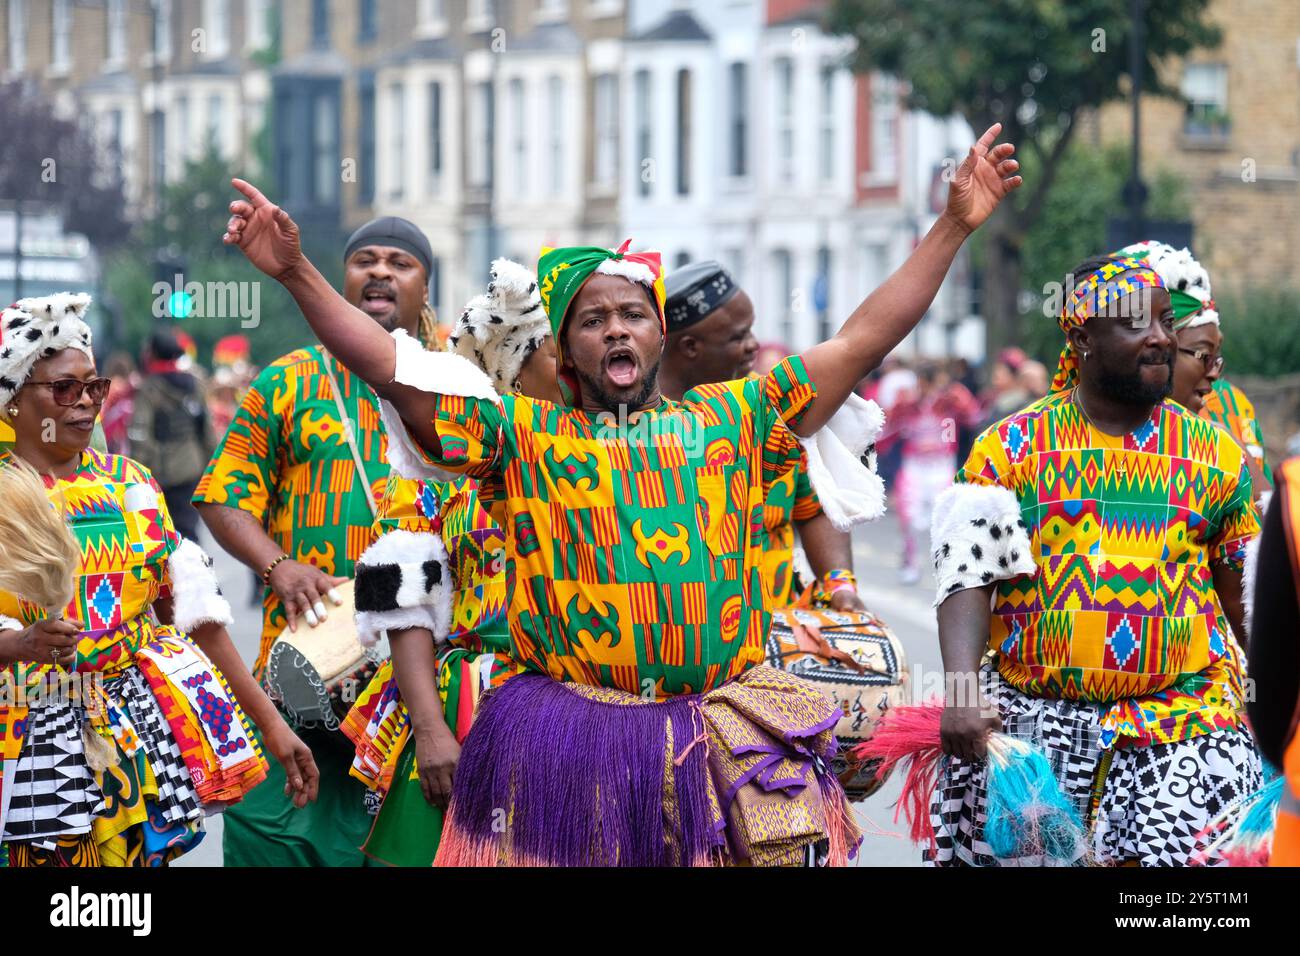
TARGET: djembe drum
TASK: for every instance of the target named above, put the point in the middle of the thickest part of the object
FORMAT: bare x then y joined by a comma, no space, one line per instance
856,661
316,674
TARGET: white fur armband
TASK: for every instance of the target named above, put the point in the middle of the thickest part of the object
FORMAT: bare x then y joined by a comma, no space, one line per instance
9,624
443,373
850,493
977,537
196,595
403,581
1248,571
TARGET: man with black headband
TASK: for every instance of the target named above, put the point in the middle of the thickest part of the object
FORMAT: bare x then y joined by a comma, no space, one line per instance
1105,528
711,339
282,495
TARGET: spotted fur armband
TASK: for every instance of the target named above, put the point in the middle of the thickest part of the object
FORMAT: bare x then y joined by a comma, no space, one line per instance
403,582
978,537
196,595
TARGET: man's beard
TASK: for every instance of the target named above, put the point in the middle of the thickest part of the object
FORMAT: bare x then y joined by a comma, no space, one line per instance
1127,388
592,390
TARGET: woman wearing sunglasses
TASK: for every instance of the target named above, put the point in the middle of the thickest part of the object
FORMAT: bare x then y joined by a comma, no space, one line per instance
141,724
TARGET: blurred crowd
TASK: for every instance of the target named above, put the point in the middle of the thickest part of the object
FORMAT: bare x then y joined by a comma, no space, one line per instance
167,411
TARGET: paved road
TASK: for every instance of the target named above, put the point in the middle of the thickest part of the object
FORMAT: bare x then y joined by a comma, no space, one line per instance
906,609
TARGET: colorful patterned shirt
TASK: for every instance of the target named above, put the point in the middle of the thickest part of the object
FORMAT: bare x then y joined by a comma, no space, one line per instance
285,461
119,517
1227,405
1125,532
790,499
634,551
475,549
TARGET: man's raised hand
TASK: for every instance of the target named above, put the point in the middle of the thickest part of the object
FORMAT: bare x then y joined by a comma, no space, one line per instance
263,231
984,179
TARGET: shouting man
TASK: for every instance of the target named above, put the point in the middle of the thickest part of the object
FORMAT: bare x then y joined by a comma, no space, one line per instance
634,542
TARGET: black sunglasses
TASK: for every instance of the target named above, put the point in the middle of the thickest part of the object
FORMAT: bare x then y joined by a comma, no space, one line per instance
67,391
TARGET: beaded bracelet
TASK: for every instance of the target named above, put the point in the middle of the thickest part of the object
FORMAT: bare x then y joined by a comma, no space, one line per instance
839,579
266,575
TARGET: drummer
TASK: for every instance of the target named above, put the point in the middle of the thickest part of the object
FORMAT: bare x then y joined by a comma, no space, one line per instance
281,495
408,737
711,339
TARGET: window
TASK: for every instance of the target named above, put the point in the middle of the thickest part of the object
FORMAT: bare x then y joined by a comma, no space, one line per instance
478,16
605,170
518,138
480,135
60,37
644,144
366,104
822,293
826,126
555,129
115,41
368,28
216,20
162,30
738,120
325,148
783,272
552,11
258,28
435,283
734,260
785,120
17,35
397,143
113,132
432,18
184,147
683,132
216,120
435,138
884,128
1205,87
158,141
320,24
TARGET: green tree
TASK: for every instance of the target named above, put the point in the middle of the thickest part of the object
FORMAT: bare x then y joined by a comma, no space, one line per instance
1035,66
187,229
1069,229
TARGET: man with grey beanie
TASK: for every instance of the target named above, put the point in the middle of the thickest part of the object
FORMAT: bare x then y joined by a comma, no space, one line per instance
282,495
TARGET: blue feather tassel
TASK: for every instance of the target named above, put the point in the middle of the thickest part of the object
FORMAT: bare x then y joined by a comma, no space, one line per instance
1028,815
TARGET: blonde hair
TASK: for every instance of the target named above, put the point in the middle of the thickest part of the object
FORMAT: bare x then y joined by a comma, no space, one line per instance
39,554
427,329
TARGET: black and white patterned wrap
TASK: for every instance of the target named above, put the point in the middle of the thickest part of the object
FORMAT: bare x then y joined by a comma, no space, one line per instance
1154,800
52,789
502,327
977,537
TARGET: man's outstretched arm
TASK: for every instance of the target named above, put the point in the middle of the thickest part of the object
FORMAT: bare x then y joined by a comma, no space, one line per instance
884,319
269,237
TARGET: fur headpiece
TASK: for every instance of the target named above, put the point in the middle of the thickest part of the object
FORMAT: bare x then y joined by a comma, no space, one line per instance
501,328
34,329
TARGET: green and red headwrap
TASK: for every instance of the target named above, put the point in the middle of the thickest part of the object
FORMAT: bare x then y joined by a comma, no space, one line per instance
562,272
1092,295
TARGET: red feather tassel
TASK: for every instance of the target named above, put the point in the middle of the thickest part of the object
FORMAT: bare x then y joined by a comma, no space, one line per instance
911,734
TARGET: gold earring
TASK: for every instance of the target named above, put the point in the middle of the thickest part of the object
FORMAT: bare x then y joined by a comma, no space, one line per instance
13,411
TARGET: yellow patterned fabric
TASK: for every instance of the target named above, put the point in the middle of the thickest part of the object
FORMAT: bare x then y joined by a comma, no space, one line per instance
1126,533
790,499
635,549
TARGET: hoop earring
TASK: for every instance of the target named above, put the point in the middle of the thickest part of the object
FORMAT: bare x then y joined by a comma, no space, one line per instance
1085,356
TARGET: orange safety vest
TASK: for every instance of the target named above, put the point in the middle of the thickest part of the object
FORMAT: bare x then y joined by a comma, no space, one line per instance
1286,839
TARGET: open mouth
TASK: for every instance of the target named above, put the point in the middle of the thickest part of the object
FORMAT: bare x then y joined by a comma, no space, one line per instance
82,424
621,367
377,300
